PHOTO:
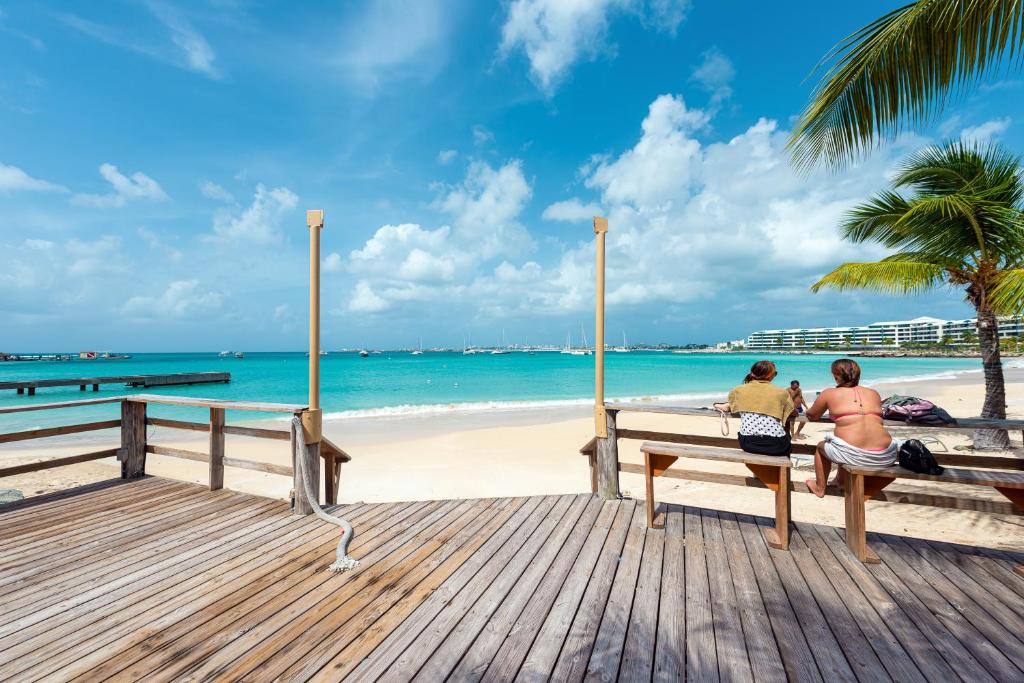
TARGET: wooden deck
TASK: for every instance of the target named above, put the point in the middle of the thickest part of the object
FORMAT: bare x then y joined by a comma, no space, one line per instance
163,580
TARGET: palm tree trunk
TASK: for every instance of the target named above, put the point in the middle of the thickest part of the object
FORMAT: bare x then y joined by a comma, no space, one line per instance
995,388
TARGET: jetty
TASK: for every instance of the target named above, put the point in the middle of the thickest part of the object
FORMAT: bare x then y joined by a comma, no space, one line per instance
29,386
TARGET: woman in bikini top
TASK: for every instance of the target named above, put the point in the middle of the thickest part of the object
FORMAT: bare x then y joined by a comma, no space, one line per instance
855,410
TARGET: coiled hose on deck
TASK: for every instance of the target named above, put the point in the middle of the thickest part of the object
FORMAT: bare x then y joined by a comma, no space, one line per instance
342,561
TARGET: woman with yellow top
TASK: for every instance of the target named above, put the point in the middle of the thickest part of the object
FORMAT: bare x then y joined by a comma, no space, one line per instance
763,409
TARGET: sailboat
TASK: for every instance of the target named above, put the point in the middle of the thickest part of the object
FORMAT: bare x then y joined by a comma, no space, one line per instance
500,350
625,347
568,344
585,350
419,351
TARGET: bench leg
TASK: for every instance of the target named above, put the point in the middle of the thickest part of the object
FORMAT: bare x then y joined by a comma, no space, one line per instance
856,532
776,479
649,482
1016,497
782,513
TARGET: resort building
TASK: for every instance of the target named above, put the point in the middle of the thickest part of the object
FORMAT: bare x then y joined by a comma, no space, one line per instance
889,334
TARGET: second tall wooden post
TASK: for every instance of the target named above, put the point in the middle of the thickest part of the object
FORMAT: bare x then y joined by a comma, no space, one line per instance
307,447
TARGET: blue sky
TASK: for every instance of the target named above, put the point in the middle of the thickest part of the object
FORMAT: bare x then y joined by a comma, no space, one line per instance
157,158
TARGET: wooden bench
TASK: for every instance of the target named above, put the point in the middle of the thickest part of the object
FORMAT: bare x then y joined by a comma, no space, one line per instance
860,484
772,471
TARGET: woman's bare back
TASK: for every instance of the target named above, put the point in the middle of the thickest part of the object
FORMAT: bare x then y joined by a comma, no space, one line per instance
857,414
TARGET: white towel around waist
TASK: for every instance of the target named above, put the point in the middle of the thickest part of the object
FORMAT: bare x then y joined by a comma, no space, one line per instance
841,452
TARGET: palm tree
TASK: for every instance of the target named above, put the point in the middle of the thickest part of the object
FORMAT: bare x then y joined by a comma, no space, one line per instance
959,223
902,67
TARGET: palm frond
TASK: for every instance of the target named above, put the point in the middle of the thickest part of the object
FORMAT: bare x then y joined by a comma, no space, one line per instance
889,276
1007,297
902,68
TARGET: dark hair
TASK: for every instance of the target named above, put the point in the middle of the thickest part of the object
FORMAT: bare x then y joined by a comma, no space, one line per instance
763,370
794,381
847,372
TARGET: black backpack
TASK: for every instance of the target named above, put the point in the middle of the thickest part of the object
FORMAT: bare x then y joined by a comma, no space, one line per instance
916,457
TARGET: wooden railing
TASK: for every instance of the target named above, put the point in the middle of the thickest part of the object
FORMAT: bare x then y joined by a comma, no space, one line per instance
135,446
603,455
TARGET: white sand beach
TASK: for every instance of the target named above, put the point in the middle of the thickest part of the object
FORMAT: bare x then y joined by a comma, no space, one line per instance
537,452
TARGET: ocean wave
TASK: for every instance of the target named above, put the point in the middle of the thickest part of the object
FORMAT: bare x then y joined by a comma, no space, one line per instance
944,375
410,410
690,399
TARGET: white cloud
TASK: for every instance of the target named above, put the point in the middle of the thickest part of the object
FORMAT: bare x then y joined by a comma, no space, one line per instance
694,227
987,131
188,49
365,300
332,263
555,34
212,190
715,73
138,186
13,179
486,206
39,245
662,166
154,242
666,15
445,156
196,52
394,40
409,263
571,211
258,223
181,299
735,212
481,135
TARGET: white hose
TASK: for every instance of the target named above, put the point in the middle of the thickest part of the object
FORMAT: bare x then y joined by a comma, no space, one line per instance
342,561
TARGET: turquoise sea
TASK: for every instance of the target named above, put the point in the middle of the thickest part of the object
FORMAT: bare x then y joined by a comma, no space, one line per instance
398,383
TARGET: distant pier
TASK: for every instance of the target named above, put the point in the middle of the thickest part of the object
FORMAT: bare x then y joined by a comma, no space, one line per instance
178,378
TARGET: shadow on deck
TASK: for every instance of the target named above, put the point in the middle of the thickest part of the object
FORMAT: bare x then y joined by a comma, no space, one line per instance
165,580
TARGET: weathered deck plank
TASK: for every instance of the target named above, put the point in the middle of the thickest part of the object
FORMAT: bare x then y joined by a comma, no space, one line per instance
167,581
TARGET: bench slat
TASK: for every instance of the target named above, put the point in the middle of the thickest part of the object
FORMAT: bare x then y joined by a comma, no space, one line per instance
953,475
710,453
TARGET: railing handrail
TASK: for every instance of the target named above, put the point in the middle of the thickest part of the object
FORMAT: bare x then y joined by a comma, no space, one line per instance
962,423
257,406
26,407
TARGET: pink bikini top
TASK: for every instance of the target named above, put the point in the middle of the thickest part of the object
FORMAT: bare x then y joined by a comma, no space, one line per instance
861,404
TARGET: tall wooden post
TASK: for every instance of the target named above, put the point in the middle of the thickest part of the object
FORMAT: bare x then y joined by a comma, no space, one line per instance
133,440
216,449
604,421
608,460
312,418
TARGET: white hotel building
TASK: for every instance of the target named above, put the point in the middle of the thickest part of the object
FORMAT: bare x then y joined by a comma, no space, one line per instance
891,334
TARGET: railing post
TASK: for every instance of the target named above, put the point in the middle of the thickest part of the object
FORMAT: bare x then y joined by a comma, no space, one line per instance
608,460
133,439
216,448
307,449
